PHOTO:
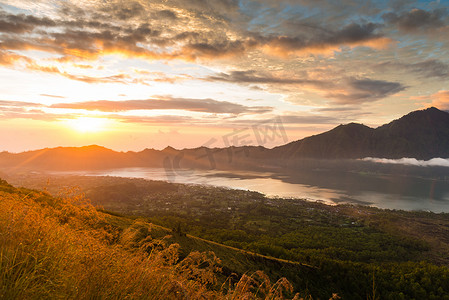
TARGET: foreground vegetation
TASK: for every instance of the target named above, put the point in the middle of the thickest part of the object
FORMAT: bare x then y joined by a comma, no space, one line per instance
63,248
357,252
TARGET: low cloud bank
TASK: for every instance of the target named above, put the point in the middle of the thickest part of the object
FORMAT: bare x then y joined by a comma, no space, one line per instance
440,162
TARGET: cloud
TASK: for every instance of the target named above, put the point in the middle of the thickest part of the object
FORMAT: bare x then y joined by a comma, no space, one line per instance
167,102
16,111
309,119
418,19
186,30
118,78
336,109
425,69
225,35
142,41
19,103
21,23
217,11
166,14
9,58
29,111
341,91
325,40
434,162
440,100
80,37
126,10
97,30
90,45
164,119
292,119
252,76
214,49
356,90
52,96
23,110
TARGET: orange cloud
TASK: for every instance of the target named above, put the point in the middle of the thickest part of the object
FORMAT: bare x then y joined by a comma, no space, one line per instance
440,100
378,43
8,58
281,49
167,102
118,78
144,41
352,35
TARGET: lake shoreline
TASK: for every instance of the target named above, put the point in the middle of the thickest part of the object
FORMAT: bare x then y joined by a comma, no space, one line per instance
329,187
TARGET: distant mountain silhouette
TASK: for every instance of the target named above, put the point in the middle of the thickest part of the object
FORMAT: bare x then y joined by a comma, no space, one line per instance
422,134
66,158
344,141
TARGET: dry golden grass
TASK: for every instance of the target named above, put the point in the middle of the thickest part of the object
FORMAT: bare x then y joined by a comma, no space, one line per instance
63,248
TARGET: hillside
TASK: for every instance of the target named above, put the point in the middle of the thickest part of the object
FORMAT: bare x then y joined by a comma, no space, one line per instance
320,249
66,249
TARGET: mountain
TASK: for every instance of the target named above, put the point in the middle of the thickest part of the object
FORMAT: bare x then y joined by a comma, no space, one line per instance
344,141
422,134
67,158
99,158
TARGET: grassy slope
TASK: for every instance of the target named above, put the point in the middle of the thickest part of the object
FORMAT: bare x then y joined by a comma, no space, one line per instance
234,262
399,248
52,248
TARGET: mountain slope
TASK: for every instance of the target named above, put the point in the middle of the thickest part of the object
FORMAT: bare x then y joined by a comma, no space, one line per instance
344,141
422,134
63,248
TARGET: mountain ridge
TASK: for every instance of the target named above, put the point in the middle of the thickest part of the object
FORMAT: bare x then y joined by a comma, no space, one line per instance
421,134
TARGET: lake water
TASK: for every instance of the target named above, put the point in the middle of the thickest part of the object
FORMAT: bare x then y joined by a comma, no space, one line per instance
392,192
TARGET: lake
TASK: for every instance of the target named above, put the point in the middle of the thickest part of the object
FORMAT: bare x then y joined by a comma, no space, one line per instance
331,187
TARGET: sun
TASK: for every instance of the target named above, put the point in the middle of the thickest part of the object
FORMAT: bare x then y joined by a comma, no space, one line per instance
88,124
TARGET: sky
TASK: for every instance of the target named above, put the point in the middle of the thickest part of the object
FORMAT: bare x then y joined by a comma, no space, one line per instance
136,74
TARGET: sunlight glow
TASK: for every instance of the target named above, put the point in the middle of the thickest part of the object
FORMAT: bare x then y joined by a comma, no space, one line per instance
88,124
